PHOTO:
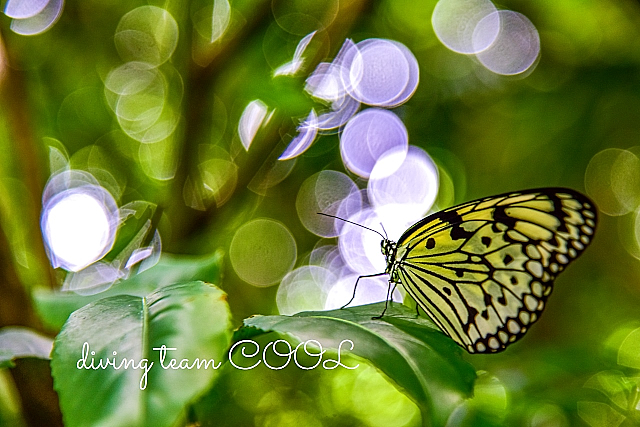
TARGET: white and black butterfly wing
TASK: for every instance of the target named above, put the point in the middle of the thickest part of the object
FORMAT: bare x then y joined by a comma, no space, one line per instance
483,270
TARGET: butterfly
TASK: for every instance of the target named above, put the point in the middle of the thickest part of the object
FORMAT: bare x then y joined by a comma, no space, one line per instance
483,270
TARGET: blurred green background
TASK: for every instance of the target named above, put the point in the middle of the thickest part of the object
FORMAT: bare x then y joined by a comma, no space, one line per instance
487,133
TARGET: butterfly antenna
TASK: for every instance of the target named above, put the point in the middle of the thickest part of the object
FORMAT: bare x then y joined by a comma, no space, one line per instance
355,223
386,236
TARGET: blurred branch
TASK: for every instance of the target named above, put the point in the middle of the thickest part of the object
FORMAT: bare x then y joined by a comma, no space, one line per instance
15,306
34,383
27,156
32,378
198,101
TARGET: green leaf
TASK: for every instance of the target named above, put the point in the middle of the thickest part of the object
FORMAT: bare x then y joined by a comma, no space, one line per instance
614,385
629,351
54,307
410,350
192,317
16,342
598,414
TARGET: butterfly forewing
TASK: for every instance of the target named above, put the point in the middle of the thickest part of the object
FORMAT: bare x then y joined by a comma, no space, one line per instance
483,270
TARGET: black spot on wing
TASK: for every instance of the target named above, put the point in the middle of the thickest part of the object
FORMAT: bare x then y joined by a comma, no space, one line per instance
431,243
487,303
563,226
472,313
450,217
458,233
500,215
487,300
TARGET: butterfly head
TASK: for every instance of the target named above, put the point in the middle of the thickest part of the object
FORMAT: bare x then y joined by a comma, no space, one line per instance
389,249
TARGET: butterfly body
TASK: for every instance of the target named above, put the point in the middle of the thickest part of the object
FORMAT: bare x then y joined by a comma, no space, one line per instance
483,270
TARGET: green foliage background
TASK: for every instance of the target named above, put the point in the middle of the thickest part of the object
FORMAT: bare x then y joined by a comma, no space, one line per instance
492,134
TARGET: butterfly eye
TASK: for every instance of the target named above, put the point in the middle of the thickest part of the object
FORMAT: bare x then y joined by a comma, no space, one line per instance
386,248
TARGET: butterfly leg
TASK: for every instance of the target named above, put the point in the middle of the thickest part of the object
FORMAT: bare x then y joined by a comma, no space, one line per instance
389,298
356,287
390,294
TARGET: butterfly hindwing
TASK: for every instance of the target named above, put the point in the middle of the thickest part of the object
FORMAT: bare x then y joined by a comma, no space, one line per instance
483,270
